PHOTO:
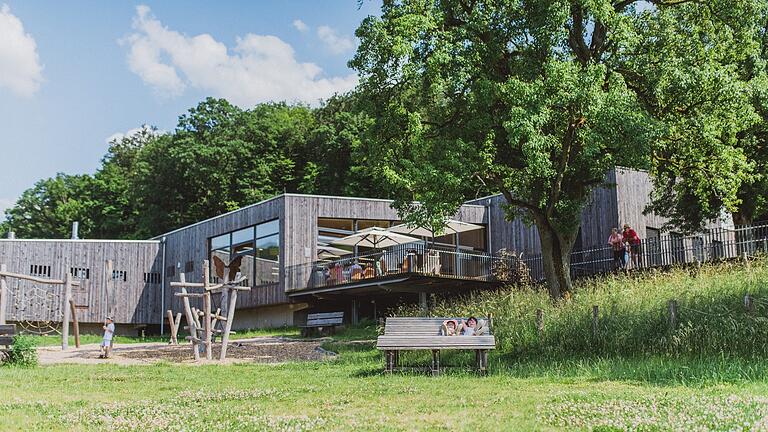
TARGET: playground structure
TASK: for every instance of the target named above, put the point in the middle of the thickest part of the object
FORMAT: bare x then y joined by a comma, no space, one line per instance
201,333
68,308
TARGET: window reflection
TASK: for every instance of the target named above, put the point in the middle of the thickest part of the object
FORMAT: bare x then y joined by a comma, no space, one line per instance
259,246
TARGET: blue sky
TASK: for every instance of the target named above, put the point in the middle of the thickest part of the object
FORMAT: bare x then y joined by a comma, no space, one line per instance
73,74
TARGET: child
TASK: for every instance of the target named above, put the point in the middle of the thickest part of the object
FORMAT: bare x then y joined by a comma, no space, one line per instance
449,328
106,342
468,327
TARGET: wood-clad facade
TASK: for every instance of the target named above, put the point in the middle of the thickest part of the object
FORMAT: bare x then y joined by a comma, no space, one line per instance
131,290
621,200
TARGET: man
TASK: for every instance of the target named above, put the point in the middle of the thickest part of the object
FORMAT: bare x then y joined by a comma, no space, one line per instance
106,342
616,241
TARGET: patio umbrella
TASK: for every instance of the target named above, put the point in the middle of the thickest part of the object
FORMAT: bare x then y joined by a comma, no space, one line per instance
376,238
327,252
450,227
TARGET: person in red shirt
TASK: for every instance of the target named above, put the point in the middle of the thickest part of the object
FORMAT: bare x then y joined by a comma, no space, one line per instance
633,240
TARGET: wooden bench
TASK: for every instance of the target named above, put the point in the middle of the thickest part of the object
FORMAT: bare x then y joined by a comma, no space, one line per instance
407,333
7,333
321,322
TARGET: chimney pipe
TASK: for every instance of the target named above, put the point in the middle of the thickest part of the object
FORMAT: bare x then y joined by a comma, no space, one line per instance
75,226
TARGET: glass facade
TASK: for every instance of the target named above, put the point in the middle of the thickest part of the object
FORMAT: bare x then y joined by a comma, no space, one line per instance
259,247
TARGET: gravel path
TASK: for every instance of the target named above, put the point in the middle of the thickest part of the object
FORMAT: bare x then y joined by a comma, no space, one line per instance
256,350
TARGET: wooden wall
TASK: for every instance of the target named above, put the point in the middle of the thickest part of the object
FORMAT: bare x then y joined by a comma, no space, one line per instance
136,299
191,244
622,200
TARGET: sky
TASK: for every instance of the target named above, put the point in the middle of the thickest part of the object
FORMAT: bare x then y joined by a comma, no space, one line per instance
75,74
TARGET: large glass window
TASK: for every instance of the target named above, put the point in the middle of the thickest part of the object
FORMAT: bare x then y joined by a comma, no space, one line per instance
259,247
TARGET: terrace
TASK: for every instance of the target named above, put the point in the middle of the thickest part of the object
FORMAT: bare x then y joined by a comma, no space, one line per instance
407,268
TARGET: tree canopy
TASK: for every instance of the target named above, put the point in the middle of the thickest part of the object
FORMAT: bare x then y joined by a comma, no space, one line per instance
219,158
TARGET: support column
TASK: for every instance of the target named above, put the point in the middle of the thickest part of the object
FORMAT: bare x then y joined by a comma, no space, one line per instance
355,312
3,294
65,305
423,304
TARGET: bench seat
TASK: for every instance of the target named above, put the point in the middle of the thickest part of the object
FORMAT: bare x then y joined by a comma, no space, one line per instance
405,342
321,321
409,333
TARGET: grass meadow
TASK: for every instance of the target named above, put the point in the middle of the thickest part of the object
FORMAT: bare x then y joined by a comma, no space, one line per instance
709,373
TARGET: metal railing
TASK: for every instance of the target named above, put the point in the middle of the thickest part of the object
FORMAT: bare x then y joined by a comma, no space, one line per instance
418,258
666,250
408,259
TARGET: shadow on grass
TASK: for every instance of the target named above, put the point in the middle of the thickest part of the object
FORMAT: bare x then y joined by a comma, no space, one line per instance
656,370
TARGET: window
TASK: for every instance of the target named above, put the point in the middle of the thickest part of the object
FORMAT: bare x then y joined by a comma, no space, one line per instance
652,246
170,271
80,272
152,278
189,267
477,239
368,223
40,270
259,247
119,275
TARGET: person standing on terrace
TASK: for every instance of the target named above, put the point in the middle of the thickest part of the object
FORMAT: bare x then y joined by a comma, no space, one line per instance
616,241
631,238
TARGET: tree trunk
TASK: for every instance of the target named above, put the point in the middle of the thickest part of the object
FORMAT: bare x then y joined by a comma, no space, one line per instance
556,257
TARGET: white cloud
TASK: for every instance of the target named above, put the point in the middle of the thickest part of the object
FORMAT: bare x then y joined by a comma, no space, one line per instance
257,69
20,69
335,43
144,129
300,25
5,203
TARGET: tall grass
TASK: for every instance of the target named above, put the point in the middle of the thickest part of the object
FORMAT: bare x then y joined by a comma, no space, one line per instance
633,314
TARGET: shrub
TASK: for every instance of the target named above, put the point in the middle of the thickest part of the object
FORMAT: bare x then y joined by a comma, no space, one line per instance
23,352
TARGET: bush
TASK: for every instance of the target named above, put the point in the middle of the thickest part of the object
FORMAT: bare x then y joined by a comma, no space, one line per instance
633,315
23,352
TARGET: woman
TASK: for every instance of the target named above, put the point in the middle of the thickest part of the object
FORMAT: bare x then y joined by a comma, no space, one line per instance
631,238
616,241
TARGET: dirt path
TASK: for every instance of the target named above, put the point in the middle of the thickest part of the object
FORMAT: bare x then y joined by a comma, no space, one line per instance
255,350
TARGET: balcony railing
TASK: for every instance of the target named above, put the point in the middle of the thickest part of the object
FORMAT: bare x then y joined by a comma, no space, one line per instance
409,259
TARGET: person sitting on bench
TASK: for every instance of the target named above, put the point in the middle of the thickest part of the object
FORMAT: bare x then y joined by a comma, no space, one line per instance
468,327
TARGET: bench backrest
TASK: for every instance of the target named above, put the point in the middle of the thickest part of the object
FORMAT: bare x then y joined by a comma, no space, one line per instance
416,326
325,318
7,332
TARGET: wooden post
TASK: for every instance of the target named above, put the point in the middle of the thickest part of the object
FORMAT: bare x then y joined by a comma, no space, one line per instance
3,294
672,306
539,322
215,319
595,315
749,304
207,325
230,317
207,310
190,320
423,304
65,305
75,323
745,257
174,338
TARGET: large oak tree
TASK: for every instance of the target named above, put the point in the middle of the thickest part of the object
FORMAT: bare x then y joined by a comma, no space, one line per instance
538,99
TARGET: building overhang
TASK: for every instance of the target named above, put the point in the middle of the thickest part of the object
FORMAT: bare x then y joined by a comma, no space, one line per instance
395,284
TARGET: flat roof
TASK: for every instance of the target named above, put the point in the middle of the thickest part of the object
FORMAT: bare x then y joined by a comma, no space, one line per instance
282,196
79,240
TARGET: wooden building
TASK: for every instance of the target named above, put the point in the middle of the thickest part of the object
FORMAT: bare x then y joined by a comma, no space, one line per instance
281,241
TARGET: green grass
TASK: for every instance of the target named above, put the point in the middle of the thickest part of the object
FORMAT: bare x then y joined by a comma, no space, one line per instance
692,378
633,315
352,393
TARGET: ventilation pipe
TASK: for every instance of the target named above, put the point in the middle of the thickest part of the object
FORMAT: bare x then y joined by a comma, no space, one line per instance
75,226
